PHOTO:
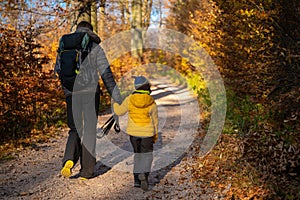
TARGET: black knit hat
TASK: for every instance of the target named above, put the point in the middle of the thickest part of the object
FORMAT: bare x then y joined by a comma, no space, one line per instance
141,83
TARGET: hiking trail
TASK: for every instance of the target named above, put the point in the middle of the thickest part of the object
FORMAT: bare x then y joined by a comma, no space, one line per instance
35,172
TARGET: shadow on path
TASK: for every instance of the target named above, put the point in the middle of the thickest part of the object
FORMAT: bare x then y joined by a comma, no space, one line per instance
116,152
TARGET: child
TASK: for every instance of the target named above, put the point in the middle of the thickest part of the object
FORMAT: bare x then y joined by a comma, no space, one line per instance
142,128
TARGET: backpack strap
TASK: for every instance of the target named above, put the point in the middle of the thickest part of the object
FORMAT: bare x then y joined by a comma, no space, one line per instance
84,49
85,41
60,46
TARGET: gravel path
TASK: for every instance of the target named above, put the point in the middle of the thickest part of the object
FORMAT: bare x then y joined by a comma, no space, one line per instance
35,173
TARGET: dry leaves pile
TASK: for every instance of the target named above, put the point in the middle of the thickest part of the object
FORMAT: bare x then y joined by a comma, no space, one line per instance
221,174
225,170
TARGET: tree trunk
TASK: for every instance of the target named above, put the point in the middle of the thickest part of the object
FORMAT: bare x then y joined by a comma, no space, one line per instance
102,18
160,14
73,18
147,8
84,11
136,25
94,20
123,10
81,11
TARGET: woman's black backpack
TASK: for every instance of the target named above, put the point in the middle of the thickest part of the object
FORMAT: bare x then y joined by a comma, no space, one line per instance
73,49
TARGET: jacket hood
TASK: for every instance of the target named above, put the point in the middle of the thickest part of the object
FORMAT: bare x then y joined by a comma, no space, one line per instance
141,100
94,37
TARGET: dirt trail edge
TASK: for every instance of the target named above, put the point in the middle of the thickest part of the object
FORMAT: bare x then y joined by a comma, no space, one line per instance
35,173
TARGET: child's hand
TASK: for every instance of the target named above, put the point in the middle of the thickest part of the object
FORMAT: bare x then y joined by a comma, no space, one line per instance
113,109
155,137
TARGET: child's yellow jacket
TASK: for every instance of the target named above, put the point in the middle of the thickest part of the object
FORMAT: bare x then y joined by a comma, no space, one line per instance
142,115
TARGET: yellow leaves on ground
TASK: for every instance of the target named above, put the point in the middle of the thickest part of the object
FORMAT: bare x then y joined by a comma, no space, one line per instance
224,170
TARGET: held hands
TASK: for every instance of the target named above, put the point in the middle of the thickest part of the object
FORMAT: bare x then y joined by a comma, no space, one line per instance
155,137
116,117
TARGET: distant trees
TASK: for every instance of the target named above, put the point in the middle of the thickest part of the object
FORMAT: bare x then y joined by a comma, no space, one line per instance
137,13
140,19
29,39
83,11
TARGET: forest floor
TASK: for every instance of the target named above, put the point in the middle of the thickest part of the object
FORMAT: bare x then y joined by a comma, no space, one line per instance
35,171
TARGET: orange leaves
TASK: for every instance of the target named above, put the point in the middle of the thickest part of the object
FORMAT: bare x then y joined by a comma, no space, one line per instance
212,184
225,171
25,89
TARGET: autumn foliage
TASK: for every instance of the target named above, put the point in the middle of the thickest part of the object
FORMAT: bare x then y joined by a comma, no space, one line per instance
30,99
256,46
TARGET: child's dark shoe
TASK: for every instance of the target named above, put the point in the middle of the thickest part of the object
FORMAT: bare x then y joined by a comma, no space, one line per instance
144,182
137,182
137,185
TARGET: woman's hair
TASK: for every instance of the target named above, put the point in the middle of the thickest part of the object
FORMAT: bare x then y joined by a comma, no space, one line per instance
84,24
